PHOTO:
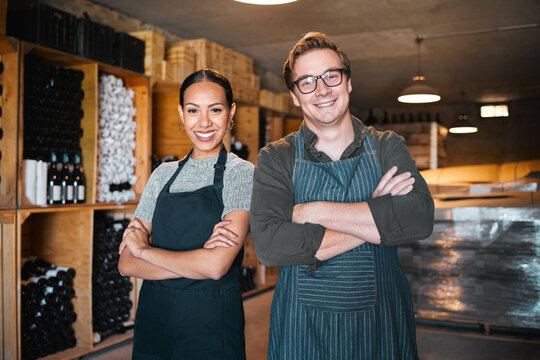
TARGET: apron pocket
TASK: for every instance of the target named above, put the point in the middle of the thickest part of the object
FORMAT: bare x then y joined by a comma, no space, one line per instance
344,283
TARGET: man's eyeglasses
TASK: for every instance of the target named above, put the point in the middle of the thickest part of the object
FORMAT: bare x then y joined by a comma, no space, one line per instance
308,84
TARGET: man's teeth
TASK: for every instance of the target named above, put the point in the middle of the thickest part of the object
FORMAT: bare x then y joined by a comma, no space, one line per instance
205,135
325,104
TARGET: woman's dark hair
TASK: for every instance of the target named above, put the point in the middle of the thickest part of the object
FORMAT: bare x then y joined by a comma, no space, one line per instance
208,75
312,41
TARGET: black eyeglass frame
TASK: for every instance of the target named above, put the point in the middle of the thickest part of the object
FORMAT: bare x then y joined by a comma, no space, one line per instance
341,70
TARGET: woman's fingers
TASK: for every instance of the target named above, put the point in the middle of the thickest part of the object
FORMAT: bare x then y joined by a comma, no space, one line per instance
222,223
122,247
219,240
222,229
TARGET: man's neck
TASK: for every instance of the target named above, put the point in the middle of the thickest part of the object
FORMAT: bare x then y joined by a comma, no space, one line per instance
333,138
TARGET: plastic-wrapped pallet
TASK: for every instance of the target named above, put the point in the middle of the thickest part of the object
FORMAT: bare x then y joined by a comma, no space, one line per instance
479,265
116,161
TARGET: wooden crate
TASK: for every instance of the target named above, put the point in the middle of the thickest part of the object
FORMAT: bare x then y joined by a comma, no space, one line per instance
154,51
9,298
167,139
291,125
425,142
266,99
169,71
246,129
9,123
184,59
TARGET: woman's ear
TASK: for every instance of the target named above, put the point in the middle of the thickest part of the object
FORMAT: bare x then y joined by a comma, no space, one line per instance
181,112
232,111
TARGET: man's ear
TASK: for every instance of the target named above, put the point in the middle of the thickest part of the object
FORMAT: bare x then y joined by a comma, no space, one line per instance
294,98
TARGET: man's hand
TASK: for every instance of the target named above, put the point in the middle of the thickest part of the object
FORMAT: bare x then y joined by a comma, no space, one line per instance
221,236
394,185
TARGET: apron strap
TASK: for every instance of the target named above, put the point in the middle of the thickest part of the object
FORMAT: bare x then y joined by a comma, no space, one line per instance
299,146
218,173
220,167
181,164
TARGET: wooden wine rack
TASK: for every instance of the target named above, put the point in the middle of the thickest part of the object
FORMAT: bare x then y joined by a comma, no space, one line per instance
61,234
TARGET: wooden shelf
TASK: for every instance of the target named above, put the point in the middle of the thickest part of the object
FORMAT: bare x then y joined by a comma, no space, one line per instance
77,352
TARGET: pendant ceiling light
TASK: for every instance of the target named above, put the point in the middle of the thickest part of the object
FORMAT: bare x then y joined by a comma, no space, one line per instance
419,92
463,125
266,2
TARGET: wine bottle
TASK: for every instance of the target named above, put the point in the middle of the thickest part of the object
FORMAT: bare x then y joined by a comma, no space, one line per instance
54,183
67,181
79,181
371,120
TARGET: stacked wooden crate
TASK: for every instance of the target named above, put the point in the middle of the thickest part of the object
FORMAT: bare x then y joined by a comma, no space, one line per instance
237,67
281,102
182,60
154,52
425,142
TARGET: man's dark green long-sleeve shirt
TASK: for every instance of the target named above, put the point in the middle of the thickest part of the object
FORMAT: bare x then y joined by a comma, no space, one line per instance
278,241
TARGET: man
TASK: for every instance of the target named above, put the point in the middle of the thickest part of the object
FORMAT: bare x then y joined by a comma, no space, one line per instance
322,210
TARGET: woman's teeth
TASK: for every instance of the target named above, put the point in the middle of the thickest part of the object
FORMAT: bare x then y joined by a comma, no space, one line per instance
205,135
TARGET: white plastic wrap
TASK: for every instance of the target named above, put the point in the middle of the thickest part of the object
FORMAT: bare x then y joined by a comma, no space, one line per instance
116,140
482,265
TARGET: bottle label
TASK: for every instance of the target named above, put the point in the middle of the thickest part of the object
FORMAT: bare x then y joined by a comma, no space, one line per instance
69,193
80,192
57,193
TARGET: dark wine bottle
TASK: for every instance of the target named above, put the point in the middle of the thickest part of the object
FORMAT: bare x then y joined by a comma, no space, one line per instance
67,181
371,120
79,181
54,183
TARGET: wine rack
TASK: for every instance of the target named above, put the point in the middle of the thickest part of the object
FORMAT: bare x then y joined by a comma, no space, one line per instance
59,234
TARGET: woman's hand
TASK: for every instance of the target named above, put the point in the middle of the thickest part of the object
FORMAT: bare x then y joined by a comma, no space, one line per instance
221,236
135,224
138,232
136,240
401,184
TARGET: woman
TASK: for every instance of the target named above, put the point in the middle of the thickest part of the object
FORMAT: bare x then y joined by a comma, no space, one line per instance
196,210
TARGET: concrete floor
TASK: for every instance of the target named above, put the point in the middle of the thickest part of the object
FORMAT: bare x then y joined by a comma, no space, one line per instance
432,344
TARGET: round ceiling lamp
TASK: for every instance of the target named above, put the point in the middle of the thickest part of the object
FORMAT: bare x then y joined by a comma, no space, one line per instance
266,2
463,126
419,92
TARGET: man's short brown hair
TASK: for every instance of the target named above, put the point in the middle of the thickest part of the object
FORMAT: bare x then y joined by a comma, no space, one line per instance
312,41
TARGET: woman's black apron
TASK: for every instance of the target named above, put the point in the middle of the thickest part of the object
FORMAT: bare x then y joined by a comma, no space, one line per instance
184,318
357,305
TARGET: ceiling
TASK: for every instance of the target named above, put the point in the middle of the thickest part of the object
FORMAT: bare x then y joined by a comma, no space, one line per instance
379,38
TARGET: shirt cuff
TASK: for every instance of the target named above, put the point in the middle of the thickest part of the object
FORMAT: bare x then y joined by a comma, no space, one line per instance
382,210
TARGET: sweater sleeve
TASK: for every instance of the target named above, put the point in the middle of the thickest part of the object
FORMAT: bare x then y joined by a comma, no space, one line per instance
404,218
158,179
277,240
237,187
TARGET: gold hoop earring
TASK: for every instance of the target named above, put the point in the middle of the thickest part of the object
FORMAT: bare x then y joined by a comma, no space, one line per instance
180,127
231,125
